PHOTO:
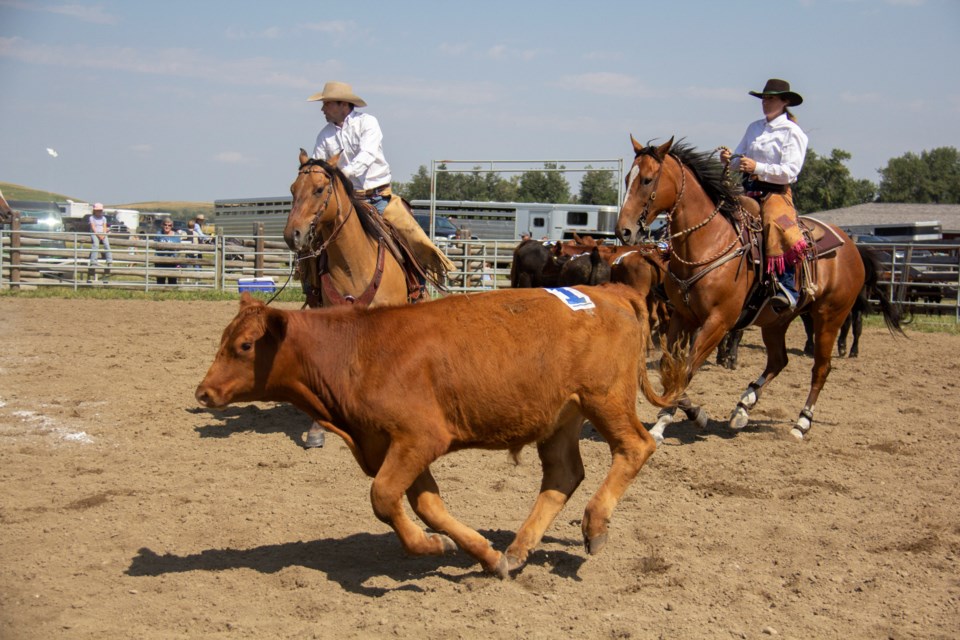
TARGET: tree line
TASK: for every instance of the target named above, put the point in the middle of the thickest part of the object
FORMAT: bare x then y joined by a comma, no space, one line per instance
930,177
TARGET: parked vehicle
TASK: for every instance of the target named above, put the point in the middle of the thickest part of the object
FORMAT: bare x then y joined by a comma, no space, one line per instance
46,216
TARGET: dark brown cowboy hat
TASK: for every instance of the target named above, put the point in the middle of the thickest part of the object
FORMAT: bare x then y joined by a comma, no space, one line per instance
776,87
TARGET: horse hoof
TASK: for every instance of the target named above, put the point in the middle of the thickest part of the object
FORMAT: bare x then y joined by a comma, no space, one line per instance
796,433
446,544
596,543
657,437
739,419
315,439
702,419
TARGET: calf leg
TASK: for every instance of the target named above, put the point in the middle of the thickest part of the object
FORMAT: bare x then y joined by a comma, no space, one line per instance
630,445
405,469
562,474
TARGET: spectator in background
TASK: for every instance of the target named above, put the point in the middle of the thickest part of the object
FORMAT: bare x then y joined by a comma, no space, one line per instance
167,235
197,229
524,236
99,227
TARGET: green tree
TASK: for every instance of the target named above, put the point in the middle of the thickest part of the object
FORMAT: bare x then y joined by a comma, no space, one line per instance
418,188
543,186
598,187
826,183
931,177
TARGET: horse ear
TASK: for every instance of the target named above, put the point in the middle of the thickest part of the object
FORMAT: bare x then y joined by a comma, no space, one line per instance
303,156
576,238
664,149
333,160
637,147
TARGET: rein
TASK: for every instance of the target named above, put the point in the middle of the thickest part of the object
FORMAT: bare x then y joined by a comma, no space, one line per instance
714,262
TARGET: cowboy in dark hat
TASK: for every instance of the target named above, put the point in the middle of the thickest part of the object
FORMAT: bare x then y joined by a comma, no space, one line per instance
770,155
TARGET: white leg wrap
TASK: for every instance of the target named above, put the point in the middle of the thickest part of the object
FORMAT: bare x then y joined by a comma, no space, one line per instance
804,422
739,418
657,431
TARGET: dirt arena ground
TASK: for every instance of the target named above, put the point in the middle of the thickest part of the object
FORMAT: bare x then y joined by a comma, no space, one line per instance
128,512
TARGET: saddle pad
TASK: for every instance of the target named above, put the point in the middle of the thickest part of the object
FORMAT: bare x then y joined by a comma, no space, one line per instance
572,298
824,235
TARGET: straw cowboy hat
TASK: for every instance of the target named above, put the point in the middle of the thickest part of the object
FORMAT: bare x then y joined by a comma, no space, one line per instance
337,92
201,217
776,87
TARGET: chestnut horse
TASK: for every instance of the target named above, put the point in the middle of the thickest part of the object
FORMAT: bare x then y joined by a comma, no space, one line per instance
345,257
711,276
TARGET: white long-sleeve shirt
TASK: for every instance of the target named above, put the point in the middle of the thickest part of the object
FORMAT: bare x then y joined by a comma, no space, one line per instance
778,147
360,144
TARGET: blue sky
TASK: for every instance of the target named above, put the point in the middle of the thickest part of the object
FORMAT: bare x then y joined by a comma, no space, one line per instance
200,100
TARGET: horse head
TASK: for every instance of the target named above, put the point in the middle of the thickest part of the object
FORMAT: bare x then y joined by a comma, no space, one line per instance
644,198
318,195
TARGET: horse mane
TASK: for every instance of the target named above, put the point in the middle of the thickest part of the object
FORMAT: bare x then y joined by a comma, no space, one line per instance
709,173
370,227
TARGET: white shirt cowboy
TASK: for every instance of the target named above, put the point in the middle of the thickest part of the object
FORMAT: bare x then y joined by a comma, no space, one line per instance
360,143
779,148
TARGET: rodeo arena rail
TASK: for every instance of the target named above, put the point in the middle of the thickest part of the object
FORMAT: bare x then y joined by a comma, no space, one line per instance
32,259
924,277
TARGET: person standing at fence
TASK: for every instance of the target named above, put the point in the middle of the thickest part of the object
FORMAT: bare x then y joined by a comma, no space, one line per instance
357,140
167,236
99,227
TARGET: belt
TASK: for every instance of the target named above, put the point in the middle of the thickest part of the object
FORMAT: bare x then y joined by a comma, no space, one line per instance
759,186
370,193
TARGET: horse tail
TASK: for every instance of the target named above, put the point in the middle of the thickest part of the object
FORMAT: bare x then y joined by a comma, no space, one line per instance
892,311
674,373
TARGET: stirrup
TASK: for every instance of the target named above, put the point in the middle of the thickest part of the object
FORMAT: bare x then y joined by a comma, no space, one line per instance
784,299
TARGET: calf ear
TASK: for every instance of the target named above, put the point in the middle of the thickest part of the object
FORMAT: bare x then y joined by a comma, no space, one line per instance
247,300
276,320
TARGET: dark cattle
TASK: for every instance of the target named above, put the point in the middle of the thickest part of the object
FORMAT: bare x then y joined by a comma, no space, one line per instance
405,385
534,265
586,268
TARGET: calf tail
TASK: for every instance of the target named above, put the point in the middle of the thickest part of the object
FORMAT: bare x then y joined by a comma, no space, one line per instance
674,374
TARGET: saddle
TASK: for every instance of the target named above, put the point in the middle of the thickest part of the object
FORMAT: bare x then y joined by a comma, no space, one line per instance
822,241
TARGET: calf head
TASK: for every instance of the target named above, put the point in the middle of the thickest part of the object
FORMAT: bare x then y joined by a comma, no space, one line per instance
243,369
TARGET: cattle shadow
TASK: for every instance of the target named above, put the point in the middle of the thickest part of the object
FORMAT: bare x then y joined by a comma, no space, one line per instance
282,418
353,560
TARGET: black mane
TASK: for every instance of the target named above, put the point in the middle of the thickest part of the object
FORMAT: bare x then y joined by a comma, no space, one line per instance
709,173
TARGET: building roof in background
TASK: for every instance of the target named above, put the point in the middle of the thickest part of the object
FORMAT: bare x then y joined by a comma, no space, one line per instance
875,213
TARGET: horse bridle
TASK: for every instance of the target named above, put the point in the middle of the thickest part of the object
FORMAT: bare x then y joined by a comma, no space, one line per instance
715,261
307,168
656,184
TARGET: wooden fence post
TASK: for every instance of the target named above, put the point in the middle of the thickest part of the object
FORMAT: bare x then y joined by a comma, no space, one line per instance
258,258
15,251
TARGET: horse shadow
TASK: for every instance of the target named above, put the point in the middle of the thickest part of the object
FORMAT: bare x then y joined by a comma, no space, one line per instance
281,418
351,561
687,431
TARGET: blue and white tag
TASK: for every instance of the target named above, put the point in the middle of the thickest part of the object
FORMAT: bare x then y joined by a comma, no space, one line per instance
572,298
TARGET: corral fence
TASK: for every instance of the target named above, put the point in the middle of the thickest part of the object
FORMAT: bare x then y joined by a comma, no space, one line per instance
31,259
925,277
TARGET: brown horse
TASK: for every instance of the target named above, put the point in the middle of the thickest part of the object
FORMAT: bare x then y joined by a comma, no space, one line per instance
711,276
345,256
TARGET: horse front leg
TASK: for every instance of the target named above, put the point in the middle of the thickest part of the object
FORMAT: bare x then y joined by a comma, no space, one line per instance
774,339
703,344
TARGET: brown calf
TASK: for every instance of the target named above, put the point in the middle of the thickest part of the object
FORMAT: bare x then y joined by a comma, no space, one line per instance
500,370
